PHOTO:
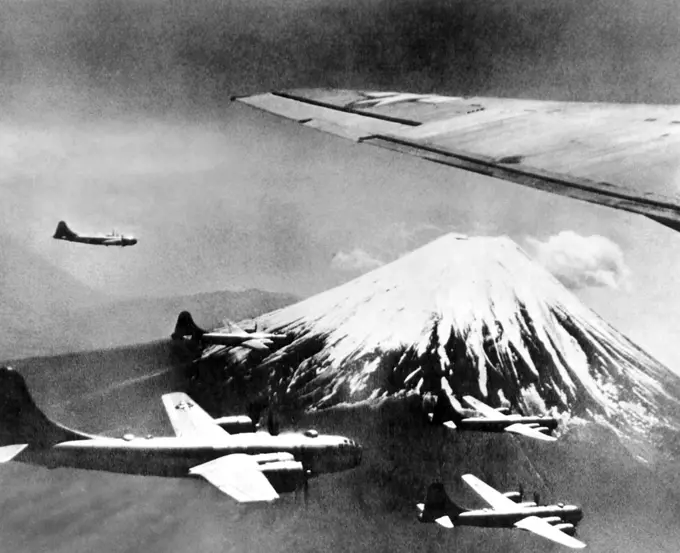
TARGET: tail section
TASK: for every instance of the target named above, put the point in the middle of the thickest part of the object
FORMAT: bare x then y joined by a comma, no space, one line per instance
438,507
444,412
187,327
22,422
9,452
63,231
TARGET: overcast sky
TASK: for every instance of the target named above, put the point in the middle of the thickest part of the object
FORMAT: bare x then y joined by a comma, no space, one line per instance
116,119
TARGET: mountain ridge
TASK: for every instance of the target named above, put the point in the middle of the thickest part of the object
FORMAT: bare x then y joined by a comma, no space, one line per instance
126,322
470,316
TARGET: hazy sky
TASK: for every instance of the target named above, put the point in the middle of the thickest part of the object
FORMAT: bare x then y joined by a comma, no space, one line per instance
116,114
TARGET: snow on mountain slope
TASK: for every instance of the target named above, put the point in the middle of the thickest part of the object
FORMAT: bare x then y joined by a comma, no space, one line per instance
472,316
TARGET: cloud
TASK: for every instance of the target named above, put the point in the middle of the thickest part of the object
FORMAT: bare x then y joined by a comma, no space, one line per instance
582,261
396,239
356,260
390,242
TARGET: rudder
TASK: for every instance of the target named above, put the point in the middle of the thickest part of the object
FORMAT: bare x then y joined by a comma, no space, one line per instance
21,421
63,231
438,506
187,327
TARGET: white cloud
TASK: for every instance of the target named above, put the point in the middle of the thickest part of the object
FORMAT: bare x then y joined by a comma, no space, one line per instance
582,261
356,260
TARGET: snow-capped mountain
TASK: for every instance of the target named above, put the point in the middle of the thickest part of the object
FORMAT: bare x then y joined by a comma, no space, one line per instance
471,316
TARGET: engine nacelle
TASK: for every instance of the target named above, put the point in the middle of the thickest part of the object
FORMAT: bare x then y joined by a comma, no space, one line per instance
552,520
515,496
567,528
284,476
236,425
527,504
264,458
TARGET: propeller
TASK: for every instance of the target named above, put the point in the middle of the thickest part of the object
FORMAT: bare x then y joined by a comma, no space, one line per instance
306,473
305,486
537,498
254,410
273,426
521,492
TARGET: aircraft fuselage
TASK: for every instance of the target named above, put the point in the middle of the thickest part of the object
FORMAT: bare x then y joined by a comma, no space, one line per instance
171,456
487,424
102,240
490,518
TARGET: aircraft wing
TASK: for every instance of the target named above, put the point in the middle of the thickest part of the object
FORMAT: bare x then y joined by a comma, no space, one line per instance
255,344
624,156
189,420
493,497
525,430
483,408
238,476
542,528
230,327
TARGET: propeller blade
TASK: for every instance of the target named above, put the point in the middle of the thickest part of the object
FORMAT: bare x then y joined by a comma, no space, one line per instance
521,492
305,486
537,498
254,411
272,424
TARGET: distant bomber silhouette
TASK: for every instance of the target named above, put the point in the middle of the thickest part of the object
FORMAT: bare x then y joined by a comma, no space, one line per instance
113,239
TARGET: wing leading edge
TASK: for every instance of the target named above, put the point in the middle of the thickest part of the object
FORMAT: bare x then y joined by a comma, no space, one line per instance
493,497
238,476
483,408
516,428
542,528
189,420
534,524
624,156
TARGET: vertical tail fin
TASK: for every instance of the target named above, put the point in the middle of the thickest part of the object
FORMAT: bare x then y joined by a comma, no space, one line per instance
438,507
444,411
63,231
21,421
187,327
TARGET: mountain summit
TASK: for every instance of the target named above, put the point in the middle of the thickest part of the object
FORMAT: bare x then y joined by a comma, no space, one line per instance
468,316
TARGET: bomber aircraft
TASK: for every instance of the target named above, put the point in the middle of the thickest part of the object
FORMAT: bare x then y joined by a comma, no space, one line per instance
492,420
249,466
554,522
63,232
624,156
229,337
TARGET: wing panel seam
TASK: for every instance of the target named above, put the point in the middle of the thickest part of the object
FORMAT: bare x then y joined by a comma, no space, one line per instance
488,166
362,113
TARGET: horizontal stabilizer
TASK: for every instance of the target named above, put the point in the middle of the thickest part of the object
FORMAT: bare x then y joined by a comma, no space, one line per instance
9,452
444,521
